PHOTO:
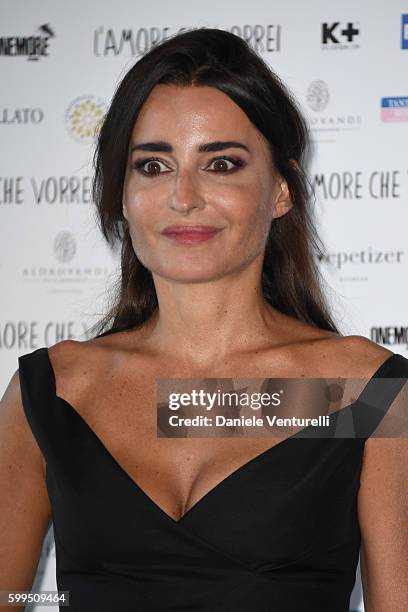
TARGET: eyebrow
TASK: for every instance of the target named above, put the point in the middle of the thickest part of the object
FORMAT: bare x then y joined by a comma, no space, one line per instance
165,147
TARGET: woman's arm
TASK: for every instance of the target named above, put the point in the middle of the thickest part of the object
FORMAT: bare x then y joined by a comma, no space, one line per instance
25,512
383,517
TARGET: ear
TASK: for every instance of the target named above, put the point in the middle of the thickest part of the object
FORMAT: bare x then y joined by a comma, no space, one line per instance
124,212
283,202
294,163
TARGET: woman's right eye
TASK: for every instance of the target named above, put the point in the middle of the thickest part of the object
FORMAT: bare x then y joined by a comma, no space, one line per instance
149,167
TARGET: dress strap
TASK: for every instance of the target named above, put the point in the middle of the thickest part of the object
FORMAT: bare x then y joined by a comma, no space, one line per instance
38,396
380,393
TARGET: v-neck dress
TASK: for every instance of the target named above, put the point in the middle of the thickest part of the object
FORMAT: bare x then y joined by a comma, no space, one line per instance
279,534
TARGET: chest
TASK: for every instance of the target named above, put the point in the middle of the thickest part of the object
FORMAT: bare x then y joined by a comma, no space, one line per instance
294,498
177,472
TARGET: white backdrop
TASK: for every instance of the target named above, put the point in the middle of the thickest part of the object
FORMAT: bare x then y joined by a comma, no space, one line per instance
346,62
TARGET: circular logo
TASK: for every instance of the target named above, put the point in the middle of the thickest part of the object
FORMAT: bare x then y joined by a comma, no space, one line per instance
64,247
84,118
317,95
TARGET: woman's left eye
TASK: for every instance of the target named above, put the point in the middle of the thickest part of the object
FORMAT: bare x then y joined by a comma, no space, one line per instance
220,164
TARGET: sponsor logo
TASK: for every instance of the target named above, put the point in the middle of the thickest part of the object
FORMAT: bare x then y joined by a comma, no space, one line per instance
67,272
25,335
323,124
336,35
317,95
64,247
32,47
368,256
356,185
21,116
394,109
135,42
84,117
355,266
49,190
404,31
392,335
264,38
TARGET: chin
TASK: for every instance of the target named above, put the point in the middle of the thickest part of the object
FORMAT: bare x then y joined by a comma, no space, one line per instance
188,275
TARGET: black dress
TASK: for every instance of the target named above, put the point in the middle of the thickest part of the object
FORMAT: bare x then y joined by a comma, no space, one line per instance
279,534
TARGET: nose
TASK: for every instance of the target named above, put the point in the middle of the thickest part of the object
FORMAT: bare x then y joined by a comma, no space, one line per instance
186,192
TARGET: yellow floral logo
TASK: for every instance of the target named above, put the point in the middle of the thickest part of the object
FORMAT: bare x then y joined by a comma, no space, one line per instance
84,118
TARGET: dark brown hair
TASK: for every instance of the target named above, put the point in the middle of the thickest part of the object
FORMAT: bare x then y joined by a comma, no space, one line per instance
291,281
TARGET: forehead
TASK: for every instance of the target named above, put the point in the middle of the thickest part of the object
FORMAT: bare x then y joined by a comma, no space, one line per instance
194,110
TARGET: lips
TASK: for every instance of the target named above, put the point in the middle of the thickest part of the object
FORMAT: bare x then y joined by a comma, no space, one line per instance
190,229
190,235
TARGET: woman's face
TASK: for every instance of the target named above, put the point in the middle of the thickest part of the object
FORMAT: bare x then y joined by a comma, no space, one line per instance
177,174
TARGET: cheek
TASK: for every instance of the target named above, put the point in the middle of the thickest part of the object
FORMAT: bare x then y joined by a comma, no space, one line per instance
139,202
249,205
252,217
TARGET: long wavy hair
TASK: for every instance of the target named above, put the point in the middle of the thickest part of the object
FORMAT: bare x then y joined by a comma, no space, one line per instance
291,280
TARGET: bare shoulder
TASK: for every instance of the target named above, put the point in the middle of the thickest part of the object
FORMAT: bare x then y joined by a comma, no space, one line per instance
80,365
328,353
357,355
68,354
75,363
71,353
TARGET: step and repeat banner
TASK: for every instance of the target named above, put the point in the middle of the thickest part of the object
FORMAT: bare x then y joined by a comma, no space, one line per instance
345,62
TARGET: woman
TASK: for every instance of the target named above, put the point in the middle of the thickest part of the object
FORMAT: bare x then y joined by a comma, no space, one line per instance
199,177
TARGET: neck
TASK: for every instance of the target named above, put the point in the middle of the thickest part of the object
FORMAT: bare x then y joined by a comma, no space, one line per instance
205,324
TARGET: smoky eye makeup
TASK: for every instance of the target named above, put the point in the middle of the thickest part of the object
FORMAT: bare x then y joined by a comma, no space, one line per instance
139,164
237,163
231,164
